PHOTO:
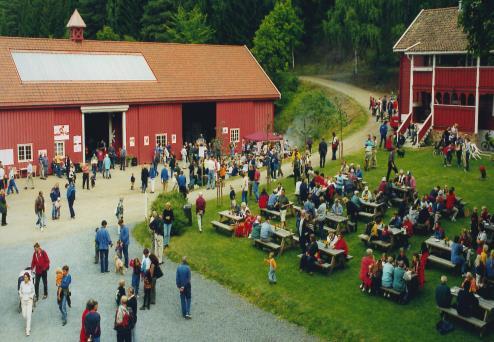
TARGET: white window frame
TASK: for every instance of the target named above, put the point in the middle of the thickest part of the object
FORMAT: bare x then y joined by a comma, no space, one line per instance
19,156
234,132
161,135
55,149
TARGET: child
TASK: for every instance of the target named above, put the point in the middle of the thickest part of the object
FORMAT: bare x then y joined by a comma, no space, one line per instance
120,291
119,249
132,181
232,198
58,282
136,274
58,205
272,268
147,290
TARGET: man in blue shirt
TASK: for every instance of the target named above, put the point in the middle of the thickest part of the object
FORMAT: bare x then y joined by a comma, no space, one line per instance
272,200
64,293
266,231
164,177
183,285
182,184
124,237
71,199
383,131
103,240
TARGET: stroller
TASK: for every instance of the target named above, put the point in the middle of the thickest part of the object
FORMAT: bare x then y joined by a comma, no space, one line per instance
20,279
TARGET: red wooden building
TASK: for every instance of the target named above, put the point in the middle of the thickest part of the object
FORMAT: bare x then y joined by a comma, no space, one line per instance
440,82
66,95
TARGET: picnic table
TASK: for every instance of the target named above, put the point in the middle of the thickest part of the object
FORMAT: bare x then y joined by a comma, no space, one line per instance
403,190
280,235
440,251
276,212
227,215
283,235
227,222
371,209
336,257
337,220
396,234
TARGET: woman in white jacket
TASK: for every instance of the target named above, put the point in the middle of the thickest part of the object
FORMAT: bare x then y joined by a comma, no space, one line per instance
26,294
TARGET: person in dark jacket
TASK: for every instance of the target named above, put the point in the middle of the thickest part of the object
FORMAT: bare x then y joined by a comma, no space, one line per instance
132,304
304,190
352,211
92,321
183,279
200,210
168,218
383,131
71,199
467,304
144,178
309,258
443,293
323,150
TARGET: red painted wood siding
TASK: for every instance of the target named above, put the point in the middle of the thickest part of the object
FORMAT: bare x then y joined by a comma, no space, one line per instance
264,115
446,116
422,80
35,126
149,120
459,79
404,96
486,81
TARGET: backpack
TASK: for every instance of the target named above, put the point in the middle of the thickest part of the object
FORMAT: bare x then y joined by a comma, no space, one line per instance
444,327
126,321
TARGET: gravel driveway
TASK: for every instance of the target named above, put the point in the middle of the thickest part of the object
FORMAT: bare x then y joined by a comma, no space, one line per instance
217,314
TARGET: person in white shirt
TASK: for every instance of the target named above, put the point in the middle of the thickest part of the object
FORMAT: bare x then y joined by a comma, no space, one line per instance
29,176
337,208
183,152
2,176
245,187
146,262
321,216
26,296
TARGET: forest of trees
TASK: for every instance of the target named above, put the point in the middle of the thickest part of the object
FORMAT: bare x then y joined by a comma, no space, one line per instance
278,31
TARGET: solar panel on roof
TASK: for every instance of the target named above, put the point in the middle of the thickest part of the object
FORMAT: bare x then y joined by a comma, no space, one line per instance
42,66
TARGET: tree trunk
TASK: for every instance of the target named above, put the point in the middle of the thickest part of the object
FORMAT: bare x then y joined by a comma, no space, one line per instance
293,59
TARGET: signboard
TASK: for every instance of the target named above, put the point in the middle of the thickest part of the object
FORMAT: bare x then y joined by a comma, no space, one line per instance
146,140
225,130
132,142
7,157
174,138
61,132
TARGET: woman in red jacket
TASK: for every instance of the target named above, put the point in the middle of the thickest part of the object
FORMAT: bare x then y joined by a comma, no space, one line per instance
40,264
341,244
450,205
263,199
365,266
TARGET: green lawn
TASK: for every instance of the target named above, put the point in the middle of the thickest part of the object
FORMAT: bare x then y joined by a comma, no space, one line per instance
333,306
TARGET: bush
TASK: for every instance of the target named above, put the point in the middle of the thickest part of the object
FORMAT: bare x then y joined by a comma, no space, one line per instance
177,201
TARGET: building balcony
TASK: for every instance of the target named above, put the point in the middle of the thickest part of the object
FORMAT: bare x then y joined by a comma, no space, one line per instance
456,78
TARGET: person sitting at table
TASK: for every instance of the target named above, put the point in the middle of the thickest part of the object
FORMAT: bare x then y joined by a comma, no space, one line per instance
341,244
244,210
408,225
481,237
385,234
314,198
399,283
465,238
340,183
424,218
355,199
337,208
467,303
438,231
418,269
457,257
358,172
489,267
309,257
484,290
331,239
402,256
344,167
263,199
321,216
367,195
484,214
395,220
272,200
450,205
410,181
387,278
376,273
256,229
310,208
304,190
365,268
400,178
267,231
443,293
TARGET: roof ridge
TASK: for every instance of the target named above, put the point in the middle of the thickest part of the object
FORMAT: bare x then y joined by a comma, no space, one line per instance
441,9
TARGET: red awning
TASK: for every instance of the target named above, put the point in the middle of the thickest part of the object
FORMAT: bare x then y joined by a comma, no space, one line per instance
263,136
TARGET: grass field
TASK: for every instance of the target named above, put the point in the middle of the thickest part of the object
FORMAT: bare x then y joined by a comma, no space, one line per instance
333,307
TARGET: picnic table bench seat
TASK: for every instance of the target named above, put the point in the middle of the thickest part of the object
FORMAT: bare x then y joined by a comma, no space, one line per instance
267,244
440,261
378,243
271,213
324,267
220,226
351,226
472,320
365,214
329,230
397,200
390,290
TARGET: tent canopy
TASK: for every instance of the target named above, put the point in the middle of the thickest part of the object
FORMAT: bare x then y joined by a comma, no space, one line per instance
263,136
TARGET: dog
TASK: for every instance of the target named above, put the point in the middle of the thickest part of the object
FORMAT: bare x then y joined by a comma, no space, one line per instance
93,181
119,265
476,153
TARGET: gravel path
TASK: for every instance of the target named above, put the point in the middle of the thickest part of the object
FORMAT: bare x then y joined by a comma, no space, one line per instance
218,315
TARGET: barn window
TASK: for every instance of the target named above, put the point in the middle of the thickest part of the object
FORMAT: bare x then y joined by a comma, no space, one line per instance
471,100
446,99
59,148
438,98
25,152
161,139
454,99
234,135
463,99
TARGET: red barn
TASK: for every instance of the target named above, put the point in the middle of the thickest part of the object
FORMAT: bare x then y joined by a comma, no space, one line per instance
66,95
440,82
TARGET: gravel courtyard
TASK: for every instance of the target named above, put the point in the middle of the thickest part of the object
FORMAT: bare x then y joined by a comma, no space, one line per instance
217,314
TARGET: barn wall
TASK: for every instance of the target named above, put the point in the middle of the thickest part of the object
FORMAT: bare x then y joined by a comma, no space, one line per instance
486,80
238,114
446,116
404,95
459,79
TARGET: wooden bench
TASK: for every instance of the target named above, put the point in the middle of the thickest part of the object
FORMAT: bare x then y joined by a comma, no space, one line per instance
324,267
377,243
220,226
268,245
391,291
271,213
472,320
397,200
350,226
296,238
329,230
370,216
441,261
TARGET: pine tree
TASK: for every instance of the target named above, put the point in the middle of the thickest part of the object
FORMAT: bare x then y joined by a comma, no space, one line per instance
93,13
157,13
188,27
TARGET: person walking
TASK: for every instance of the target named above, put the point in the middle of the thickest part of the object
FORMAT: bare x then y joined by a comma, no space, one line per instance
39,210
152,175
12,185
107,165
335,143
123,158
91,322
123,321
391,162
125,238
3,207
119,211
103,240
383,131
168,218
200,210
26,296
85,176
40,264
164,177
144,178
29,176
183,279
323,150
54,196
64,293
132,306
155,273
71,199
156,226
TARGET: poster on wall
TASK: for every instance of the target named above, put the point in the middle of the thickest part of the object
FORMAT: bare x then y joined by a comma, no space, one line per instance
174,138
61,132
7,157
146,140
42,153
132,142
225,130
77,143
77,148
